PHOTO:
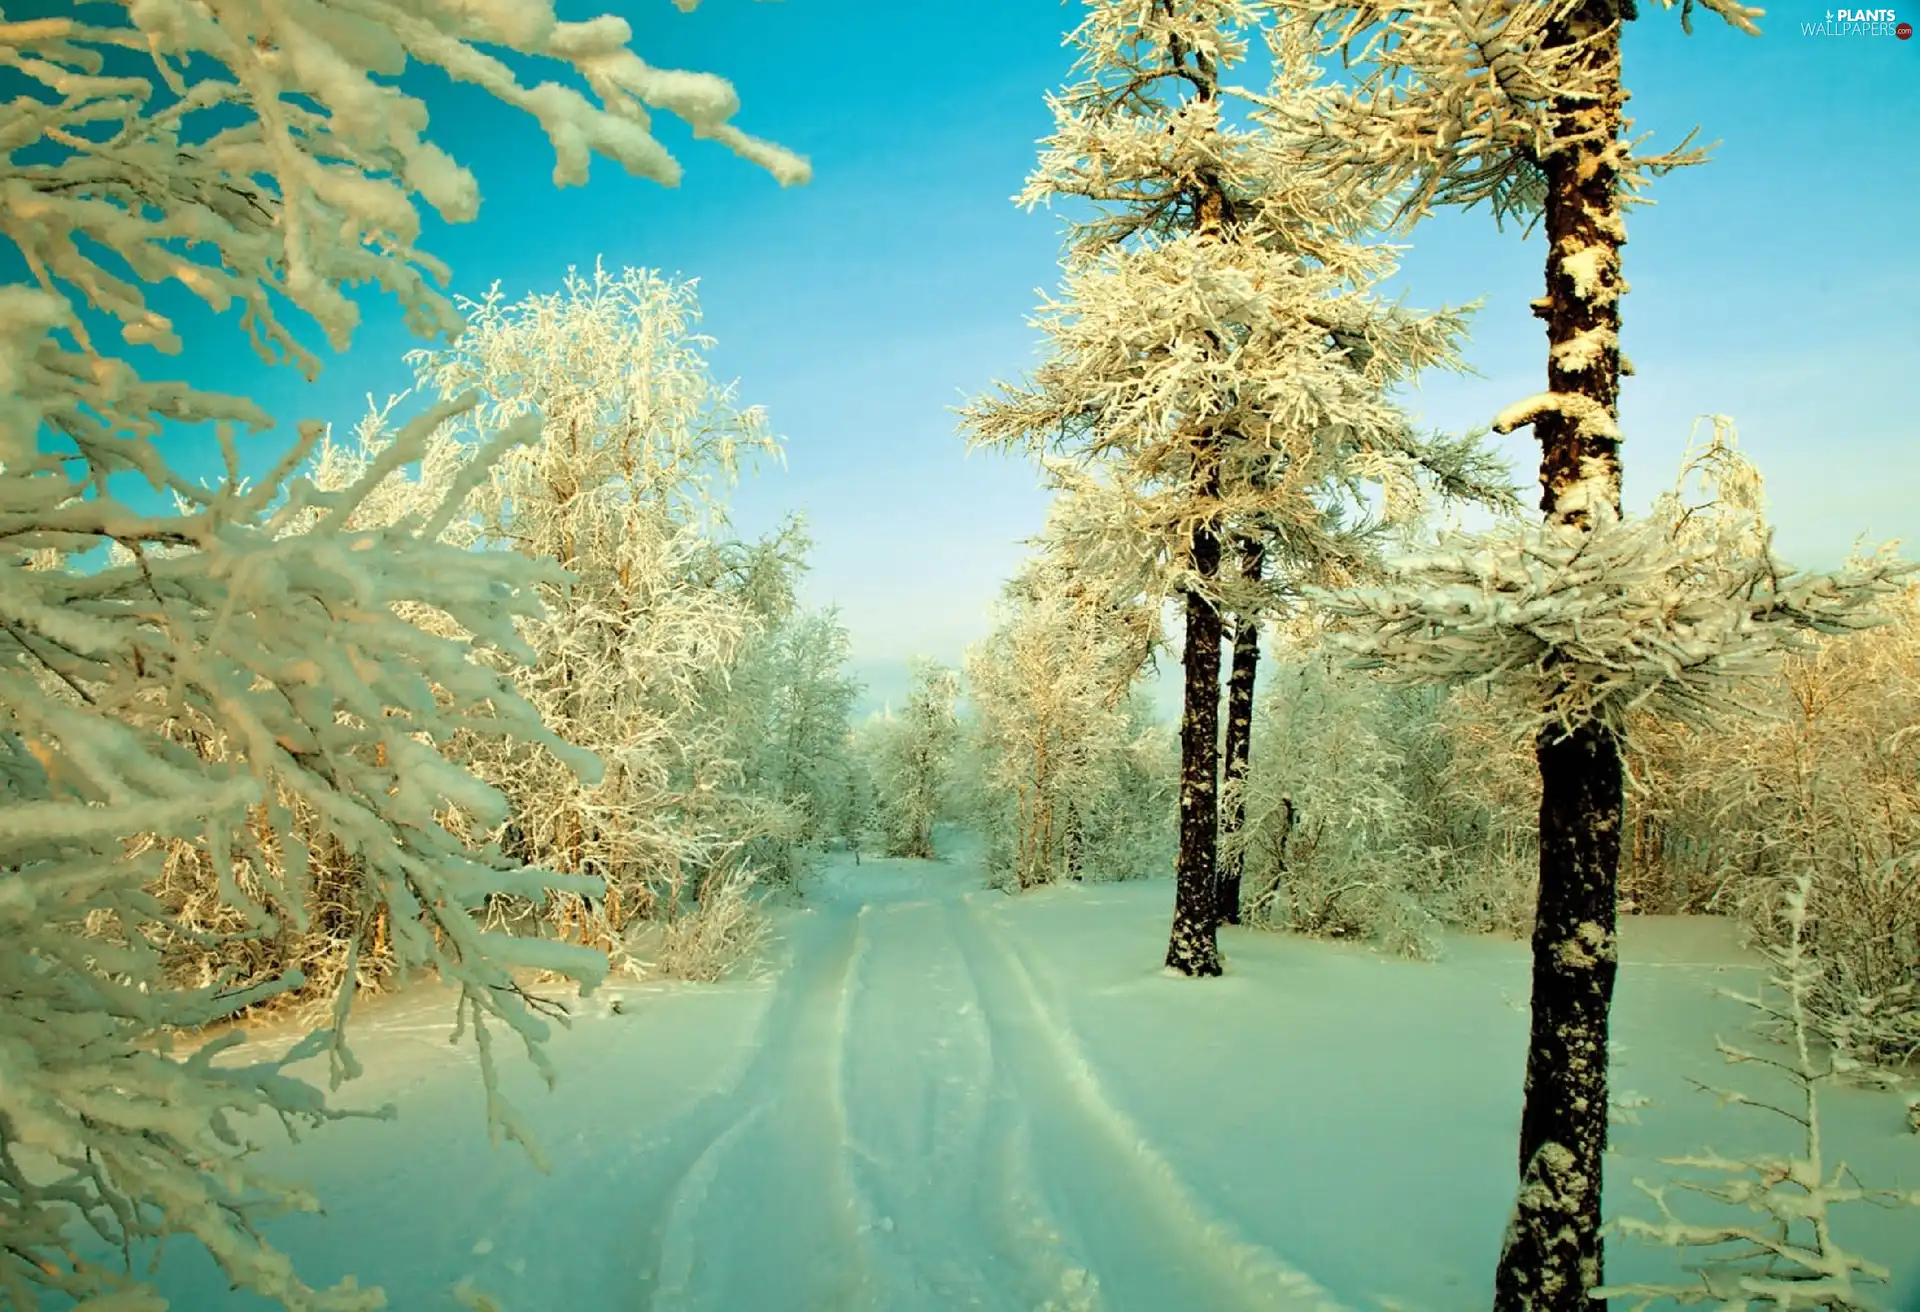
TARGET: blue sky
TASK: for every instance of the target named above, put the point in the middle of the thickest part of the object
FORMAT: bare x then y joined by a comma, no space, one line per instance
1778,284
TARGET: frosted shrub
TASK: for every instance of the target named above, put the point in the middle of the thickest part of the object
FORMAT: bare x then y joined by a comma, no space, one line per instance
1787,1256
1327,838
1484,856
1831,785
207,939
1383,813
1128,832
724,930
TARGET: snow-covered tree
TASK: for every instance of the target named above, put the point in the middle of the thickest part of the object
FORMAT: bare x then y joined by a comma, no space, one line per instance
623,491
799,697
1219,365
1049,692
261,157
1571,629
636,650
1519,104
910,760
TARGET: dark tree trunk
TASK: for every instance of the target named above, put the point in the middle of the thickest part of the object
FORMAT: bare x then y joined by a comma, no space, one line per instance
1194,947
1552,1256
1553,1252
1239,744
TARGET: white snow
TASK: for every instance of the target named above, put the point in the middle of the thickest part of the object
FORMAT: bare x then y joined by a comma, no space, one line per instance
948,1098
1584,267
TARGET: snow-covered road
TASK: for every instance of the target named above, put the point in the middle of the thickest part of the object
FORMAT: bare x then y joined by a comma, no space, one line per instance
915,1130
940,1097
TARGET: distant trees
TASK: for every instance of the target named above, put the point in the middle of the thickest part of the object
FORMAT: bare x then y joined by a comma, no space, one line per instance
252,674
1056,729
788,703
909,760
1218,364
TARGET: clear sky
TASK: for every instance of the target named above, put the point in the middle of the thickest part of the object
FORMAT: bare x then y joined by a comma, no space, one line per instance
1779,283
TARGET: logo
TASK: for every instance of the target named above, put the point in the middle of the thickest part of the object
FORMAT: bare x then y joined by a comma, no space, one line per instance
1859,22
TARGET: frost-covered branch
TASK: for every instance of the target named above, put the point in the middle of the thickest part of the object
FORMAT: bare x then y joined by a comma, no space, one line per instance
271,668
1671,612
267,157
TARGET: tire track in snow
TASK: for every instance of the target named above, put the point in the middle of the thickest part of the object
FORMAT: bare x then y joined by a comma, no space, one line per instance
1151,1244
938,1144
746,1201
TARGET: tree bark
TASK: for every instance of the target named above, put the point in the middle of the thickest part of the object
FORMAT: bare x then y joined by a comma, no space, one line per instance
1194,947
1552,1256
1239,742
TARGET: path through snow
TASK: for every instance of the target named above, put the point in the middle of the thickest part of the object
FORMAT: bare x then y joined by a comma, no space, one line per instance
915,1130
944,1098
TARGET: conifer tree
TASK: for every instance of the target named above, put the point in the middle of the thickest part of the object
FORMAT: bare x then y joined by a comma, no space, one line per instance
1219,365
1518,105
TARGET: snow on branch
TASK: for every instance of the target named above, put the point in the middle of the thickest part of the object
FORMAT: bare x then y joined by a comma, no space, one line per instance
1461,101
269,667
1590,417
270,156
1670,612
289,652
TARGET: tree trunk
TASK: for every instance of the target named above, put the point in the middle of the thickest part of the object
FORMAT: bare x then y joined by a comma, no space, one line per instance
1194,948
1240,684
1552,1256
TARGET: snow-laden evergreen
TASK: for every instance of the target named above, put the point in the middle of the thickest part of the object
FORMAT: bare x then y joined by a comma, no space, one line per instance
1219,359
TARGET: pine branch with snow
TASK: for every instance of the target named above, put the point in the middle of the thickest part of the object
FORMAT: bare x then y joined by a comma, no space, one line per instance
1673,613
1461,102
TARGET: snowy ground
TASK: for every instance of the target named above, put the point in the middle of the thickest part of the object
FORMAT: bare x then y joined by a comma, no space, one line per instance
946,1098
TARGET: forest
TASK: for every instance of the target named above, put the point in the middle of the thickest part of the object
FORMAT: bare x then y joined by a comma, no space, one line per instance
478,710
